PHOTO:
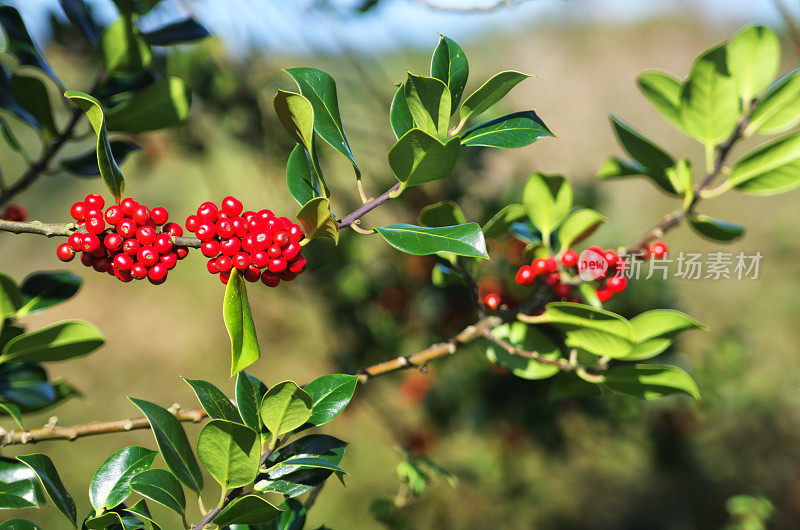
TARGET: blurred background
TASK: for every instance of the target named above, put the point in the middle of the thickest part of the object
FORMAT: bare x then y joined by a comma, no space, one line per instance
521,460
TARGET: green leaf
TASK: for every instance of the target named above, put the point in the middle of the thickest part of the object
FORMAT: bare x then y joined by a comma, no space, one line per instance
399,114
302,480
85,165
579,225
173,444
107,520
663,92
110,485
293,518
319,89
109,170
428,101
589,293
46,471
509,132
249,392
595,330
526,338
160,105
142,513
778,110
285,407
317,219
214,401
463,240
769,169
249,509
162,487
715,229
46,289
12,470
329,394
239,323
81,17
182,31
500,222
19,494
18,524
568,384
650,381
122,47
490,93
418,157
680,175
645,152
301,179
13,411
54,343
709,106
443,213
290,465
31,93
10,296
662,323
230,452
547,200
449,65
135,7
615,167
19,42
26,386
754,55
297,115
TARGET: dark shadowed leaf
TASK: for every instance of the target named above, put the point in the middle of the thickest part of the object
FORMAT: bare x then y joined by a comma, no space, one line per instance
664,93
123,48
162,487
302,480
32,95
186,30
500,222
80,15
526,338
85,165
46,471
443,213
162,104
250,509
19,42
716,229
214,402
301,178
46,289
249,392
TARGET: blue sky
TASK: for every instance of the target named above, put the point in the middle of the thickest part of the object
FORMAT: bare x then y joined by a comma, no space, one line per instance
291,25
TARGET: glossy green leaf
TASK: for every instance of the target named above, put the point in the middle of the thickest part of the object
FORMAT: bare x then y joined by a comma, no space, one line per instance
12,410
141,511
715,229
109,169
110,485
330,394
79,14
231,452
19,494
615,167
589,294
54,343
319,89
654,159
302,480
778,110
526,338
547,200
663,91
463,240
293,517
500,221
771,168
46,289
181,31
249,509
579,225
10,296
661,323
239,323
297,116
85,165
46,471
399,114
443,213
301,179
285,407
19,42
680,175
595,330
249,392
428,101
12,470
650,381
754,55
490,93
305,462
317,219
173,444
418,157
449,65
108,520
18,524
162,487
122,47
31,94
509,132
214,402
160,105
709,106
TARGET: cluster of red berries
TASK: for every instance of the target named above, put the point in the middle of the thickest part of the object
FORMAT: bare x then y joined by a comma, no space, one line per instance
547,268
14,213
258,244
128,240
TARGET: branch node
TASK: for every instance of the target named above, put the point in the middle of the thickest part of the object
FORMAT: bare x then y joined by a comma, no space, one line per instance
174,408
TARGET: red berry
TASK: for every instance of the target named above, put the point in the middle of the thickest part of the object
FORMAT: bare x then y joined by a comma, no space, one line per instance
295,232
225,228
274,224
192,222
127,228
595,248
159,215
298,265
659,249
90,243
248,214
173,229
604,294
525,275
114,215
210,249
147,256
139,271
270,279
251,274
262,240
249,243
562,290
492,301
552,279
75,241
281,239
131,247
617,284
14,213
128,206
240,227
611,258
212,266
292,250
123,262
241,260
231,246
552,264
146,235
95,224
205,231
101,264
124,276
77,211
94,200
539,266
224,276
285,222
170,259
163,243
181,252
231,206
259,258
207,212
224,263
87,259
112,241
64,252
157,273
141,214
266,214
569,258
274,251
277,265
